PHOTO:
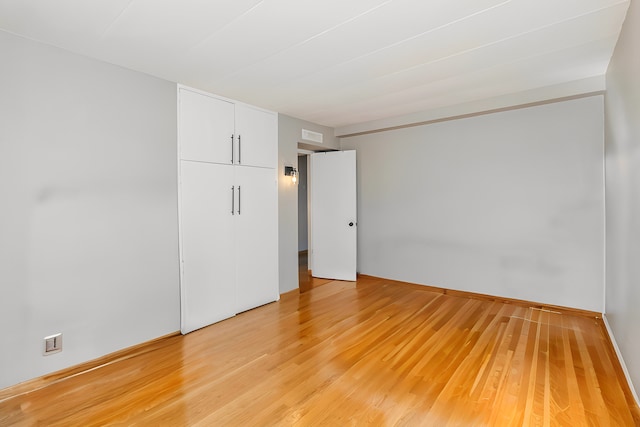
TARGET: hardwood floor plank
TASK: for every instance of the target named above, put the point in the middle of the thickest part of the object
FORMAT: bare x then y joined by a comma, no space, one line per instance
375,352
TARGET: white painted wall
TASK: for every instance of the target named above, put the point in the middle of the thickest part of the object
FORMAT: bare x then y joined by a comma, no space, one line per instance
507,204
88,225
289,135
622,122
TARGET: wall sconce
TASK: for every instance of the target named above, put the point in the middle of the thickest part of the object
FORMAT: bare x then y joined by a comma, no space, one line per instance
292,172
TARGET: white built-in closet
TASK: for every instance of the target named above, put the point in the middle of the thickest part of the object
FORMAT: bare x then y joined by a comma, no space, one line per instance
228,207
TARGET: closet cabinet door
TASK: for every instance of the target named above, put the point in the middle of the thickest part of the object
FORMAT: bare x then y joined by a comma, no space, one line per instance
257,133
257,237
207,244
206,126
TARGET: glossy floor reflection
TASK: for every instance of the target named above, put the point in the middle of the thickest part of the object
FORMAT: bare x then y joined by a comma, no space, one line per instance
371,352
305,280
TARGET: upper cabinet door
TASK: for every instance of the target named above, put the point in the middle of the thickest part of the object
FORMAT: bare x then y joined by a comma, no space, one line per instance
206,128
257,133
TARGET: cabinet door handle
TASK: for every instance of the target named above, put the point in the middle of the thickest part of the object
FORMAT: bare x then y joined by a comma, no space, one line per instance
233,198
231,149
239,200
239,150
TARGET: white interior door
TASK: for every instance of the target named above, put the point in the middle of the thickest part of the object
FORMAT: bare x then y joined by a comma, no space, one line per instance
333,215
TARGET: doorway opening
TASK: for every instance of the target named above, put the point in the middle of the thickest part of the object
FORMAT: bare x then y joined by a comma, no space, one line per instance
306,281
304,272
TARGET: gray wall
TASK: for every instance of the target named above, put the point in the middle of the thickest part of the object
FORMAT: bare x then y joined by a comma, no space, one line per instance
622,118
88,225
289,135
507,204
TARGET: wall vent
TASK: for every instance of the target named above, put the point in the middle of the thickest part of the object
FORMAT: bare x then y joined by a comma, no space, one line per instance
309,135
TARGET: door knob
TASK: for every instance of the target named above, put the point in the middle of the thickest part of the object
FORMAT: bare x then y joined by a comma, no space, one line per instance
351,224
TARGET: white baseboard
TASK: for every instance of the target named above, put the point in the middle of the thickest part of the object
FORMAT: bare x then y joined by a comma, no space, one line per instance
620,358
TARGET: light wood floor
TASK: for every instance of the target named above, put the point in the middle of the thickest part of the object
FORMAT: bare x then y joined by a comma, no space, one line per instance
372,353
306,281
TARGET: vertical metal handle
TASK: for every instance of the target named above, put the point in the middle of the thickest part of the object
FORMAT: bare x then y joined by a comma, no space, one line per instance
239,150
239,200
232,149
233,198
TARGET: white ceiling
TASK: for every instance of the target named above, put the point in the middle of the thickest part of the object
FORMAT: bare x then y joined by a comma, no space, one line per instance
337,62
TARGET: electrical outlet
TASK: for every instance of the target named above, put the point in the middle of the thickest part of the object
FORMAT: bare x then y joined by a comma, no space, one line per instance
52,344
